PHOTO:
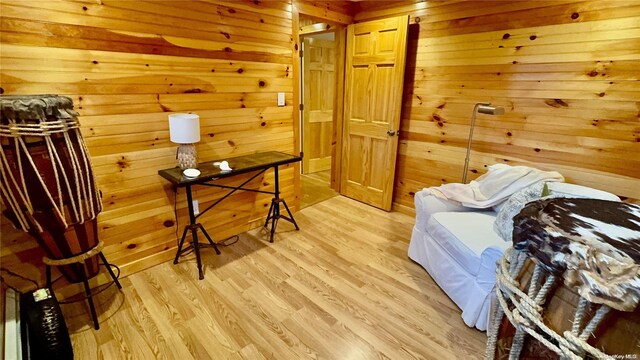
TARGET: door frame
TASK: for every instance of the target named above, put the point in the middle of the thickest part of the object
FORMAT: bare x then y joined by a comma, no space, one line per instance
303,41
340,30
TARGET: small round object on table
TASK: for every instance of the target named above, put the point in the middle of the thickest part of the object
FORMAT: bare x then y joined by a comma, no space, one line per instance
191,173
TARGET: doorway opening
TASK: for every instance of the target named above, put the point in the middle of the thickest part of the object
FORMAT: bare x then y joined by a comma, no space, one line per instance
319,57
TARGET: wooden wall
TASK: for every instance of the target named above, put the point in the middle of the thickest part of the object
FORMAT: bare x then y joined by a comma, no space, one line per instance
332,11
127,65
567,73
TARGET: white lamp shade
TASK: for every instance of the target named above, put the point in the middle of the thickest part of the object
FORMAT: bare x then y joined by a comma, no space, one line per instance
184,128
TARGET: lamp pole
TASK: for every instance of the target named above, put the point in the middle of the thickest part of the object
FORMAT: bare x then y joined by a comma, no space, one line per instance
472,125
484,108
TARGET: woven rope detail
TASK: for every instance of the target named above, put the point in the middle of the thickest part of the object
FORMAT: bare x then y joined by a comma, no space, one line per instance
74,259
526,316
84,198
46,128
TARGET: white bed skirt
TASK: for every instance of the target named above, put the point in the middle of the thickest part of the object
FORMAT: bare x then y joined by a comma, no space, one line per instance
471,293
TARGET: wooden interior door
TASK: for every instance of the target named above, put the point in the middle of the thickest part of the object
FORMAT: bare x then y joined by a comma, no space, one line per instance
374,77
319,88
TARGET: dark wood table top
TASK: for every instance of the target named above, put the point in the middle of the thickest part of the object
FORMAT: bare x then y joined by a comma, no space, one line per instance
239,165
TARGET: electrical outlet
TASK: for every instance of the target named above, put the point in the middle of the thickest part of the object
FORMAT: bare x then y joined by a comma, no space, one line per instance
196,208
281,101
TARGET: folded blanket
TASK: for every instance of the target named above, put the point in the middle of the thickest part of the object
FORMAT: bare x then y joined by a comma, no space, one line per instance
495,186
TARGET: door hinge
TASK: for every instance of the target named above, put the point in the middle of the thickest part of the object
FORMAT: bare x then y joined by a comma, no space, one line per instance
301,107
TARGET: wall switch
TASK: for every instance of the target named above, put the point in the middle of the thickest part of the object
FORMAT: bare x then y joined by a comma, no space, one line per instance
196,208
281,99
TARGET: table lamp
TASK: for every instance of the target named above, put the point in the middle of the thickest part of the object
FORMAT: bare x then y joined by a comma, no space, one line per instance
482,108
184,129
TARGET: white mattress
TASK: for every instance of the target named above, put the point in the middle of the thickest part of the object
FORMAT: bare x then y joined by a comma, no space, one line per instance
465,235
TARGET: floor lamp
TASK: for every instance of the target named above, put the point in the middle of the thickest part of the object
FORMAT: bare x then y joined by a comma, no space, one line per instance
483,108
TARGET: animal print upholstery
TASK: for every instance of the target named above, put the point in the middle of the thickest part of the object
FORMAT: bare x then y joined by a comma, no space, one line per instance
593,244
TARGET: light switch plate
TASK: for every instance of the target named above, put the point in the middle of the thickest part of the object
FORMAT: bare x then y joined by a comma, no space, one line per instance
281,99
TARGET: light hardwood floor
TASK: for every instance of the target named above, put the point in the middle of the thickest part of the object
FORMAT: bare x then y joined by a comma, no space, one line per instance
340,288
316,188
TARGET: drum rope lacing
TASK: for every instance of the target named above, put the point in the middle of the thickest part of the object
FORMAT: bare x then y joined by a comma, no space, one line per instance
526,315
82,179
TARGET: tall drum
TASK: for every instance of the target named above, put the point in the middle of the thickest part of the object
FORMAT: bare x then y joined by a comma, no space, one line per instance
47,183
570,286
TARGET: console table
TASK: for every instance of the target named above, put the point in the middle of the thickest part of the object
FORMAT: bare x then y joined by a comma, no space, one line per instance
209,173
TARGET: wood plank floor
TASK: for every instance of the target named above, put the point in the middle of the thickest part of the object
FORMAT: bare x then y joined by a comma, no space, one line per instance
340,288
316,188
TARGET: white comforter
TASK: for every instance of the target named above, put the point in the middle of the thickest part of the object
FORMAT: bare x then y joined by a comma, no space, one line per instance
495,186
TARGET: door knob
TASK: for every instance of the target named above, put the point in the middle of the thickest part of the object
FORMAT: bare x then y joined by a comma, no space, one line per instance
391,132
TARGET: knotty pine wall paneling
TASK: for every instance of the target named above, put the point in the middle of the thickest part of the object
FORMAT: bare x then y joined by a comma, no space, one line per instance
335,12
127,65
567,73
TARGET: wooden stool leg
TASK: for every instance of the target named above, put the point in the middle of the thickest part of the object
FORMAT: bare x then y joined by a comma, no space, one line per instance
108,266
87,291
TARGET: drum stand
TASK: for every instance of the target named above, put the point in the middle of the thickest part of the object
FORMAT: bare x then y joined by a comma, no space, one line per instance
80,259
